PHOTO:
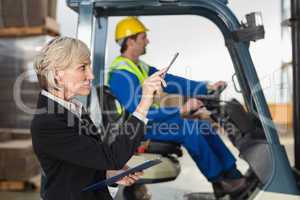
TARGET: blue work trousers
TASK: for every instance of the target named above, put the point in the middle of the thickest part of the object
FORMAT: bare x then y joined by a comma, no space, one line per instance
201,141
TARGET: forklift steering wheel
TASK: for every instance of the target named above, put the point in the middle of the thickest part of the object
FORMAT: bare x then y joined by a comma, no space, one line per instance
211,100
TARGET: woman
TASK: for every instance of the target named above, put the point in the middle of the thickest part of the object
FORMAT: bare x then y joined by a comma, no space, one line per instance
65,140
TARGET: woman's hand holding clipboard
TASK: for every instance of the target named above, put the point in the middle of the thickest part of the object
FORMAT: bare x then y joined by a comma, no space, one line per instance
110,181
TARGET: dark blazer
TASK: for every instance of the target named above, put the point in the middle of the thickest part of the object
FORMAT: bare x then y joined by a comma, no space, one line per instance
72,154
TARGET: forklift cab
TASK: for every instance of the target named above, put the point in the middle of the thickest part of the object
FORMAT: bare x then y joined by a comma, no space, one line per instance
272,166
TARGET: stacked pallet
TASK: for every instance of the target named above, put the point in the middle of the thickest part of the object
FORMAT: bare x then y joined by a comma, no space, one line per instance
21,18
18,163
19,88
25,27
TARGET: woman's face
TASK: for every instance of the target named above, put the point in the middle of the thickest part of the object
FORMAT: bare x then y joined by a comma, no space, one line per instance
76,79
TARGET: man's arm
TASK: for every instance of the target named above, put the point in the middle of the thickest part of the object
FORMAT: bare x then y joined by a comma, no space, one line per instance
127,89
183,86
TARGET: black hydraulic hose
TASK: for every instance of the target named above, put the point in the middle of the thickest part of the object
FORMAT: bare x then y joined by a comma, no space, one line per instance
295,22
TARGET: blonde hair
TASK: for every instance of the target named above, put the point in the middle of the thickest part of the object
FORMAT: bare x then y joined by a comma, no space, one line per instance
60,53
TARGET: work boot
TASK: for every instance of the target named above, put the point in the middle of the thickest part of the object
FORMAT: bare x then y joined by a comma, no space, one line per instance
229,186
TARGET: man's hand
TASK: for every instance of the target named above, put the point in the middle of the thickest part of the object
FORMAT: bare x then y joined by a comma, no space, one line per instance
201,113
216,85
194,109
192,105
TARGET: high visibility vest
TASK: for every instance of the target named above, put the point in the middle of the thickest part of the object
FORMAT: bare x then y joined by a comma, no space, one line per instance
141,71
122,63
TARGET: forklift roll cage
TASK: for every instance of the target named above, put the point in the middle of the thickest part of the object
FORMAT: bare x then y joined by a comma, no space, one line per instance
92,29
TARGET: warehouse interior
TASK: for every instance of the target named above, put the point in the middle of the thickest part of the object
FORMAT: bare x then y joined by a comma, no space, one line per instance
27,25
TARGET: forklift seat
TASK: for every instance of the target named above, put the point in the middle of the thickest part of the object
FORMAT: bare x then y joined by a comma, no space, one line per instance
111,116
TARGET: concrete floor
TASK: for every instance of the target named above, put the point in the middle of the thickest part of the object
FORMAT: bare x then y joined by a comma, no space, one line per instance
190,179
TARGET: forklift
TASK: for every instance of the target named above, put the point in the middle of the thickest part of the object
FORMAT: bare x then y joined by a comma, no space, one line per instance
256,134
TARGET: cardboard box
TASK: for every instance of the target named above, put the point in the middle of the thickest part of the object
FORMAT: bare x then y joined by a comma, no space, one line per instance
17,133
18,161
16,57
37,12
30,168
5,136
12,13
52,8
1,16
20,13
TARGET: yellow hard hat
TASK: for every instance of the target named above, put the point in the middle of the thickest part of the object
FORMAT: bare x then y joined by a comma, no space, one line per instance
128,27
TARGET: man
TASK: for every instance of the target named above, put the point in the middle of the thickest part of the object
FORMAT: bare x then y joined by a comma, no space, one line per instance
126,76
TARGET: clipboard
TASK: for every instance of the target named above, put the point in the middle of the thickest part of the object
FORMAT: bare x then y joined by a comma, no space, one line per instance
172,61
101,184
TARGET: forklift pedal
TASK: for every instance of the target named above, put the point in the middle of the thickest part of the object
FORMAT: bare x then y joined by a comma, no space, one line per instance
252,185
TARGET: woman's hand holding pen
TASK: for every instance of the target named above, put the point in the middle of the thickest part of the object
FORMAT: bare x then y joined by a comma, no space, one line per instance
152,86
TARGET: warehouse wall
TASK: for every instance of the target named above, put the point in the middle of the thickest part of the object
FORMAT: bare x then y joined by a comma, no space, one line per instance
203,55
